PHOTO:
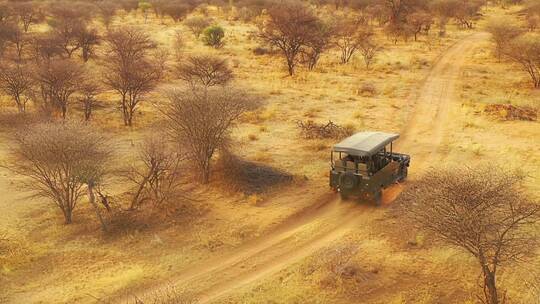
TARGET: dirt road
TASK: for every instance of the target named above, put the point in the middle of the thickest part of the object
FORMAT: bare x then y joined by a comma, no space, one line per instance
286,245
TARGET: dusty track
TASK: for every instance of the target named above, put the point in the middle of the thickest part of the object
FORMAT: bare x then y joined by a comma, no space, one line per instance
273,252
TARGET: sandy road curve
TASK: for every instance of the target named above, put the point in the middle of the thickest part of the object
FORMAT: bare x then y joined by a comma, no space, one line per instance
273,252
423,134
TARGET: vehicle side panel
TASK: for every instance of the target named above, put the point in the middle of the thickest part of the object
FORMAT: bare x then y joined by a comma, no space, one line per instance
385,177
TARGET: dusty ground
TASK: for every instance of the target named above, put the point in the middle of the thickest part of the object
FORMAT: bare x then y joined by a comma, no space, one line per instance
280,247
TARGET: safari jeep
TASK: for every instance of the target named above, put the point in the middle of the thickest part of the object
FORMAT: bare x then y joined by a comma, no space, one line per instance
364,164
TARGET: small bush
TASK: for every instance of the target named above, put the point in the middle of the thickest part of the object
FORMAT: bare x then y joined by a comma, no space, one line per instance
213,36
197,24
367,89
259,51
511,112
312,130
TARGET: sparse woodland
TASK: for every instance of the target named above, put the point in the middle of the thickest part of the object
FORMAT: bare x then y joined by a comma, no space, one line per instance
138,137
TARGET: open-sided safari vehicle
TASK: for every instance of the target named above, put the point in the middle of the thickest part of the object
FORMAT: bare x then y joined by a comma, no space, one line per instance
364,163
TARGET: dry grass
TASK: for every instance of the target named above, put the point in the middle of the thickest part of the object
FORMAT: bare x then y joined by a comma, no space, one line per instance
385,269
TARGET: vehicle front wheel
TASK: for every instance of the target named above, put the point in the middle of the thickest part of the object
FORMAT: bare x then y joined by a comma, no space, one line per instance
404,173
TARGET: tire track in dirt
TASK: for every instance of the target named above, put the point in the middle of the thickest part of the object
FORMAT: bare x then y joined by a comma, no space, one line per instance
278,249
425,130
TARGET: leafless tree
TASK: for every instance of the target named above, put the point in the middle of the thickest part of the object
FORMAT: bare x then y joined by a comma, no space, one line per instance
130,69
6,11
205,70
107,10
378,12
156,175
525,51
290,26
59,80
503,31
466,12
67,33
45,47
177,9
350,33
197,24
88,90
201,121
419,22
318,43
6,29
369,50
88,39
533,20
157,7
12,34
63,10
483,211
178,45
69,21
60,159
444,10
27,14
16,81
129,5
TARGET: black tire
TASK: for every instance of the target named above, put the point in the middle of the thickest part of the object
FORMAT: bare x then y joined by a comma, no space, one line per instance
347,181
344,196
377,198
404,173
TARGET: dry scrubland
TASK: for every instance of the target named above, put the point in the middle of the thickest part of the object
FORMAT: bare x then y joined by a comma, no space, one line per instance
380,260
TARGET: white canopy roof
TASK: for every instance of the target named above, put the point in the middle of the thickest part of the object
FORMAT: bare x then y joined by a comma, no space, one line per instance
365,143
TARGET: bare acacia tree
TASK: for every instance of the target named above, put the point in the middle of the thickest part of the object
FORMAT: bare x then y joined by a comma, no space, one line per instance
130,69
107,11
12,35
482,211
27,14
419,22
289,28
45,47
443,10
466,12
318,42
205,70
201,121
67,25
369,50
502,31
525,51
59,80
87,39
88,90
197,24
350,33
17,82
6,11
177,9
156,174
60,159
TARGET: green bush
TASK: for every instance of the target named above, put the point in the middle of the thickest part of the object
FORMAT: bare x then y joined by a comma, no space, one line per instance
213,36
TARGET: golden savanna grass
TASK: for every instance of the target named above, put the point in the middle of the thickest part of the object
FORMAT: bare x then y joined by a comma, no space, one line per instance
44,261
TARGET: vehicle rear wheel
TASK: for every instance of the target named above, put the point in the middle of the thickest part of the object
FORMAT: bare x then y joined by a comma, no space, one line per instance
377,198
